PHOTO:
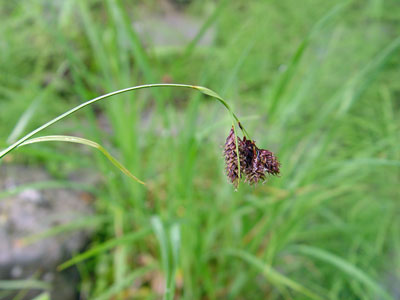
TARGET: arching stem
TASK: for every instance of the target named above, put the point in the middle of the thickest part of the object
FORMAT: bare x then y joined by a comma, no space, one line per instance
79,107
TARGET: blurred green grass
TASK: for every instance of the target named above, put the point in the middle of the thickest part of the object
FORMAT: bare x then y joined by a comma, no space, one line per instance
314,82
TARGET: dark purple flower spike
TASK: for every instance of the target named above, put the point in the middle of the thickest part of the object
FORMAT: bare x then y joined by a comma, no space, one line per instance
255,163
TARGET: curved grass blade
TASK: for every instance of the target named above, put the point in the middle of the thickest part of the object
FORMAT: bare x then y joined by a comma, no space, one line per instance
43,296
77,140
129,238
82,223
24,284
344,266
213,94
125,283
24,119
87,103
271,274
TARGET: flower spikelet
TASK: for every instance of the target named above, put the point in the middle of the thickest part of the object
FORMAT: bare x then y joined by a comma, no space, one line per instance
255,163
231,160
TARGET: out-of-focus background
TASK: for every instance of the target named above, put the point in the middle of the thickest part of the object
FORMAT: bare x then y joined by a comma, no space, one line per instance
314,81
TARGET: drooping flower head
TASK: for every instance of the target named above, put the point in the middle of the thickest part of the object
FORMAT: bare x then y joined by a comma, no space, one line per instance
255,163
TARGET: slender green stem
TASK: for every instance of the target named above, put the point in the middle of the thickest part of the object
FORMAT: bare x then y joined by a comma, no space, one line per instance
75,109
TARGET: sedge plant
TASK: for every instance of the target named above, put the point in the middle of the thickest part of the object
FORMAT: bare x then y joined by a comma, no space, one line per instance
321,89
242,157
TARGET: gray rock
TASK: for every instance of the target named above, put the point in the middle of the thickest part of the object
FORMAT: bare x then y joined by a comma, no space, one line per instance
32,211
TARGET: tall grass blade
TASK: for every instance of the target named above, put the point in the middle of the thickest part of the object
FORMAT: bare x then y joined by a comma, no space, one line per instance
25,118
271,274
364,78
206,25
162,238
127,31
43,296
125,283
175,243
352,271
288,74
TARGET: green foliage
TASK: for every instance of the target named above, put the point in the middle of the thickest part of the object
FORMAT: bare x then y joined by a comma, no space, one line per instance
314,82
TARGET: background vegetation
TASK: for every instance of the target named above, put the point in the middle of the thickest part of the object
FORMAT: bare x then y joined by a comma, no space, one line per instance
316,82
